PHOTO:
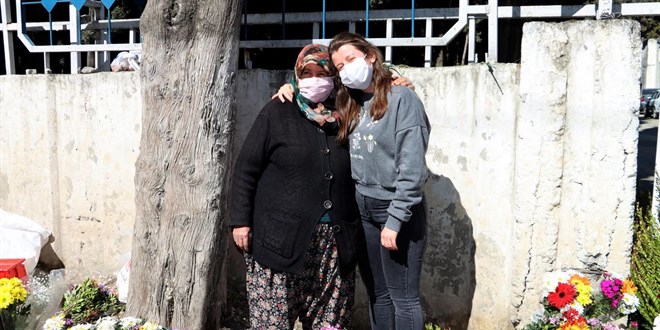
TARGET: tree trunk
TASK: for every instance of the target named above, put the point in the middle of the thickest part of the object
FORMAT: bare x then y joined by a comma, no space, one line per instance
190,59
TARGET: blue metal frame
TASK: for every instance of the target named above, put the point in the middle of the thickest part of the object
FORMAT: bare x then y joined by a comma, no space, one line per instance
323,21
412,19
45,5
366,20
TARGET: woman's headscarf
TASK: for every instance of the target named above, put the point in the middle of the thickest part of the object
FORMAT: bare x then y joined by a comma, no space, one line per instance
312,54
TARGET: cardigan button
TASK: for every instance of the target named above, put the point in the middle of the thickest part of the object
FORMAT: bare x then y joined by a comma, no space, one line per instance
325,151
328,176
327,204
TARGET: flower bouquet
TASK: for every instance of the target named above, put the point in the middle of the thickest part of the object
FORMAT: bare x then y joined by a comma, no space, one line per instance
93,305
13,309
571,303
59,322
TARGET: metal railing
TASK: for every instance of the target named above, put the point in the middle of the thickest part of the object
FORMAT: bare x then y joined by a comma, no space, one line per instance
465,17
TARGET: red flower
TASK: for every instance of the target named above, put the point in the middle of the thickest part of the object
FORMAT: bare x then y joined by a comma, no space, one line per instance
571,314
563,295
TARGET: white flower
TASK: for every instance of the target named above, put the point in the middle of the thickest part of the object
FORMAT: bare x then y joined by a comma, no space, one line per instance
656,323
629,303
150,326
576,306
106,323
85,326
56,322
128,322
551,280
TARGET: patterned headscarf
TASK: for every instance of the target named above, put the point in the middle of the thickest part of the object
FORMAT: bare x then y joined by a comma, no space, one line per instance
312,54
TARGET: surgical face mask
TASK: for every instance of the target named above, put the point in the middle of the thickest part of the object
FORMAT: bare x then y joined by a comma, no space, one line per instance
357,74
316,89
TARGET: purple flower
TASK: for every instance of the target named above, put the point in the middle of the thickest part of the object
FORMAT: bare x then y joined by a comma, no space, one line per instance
607,287
610,326
68,322
554,320
593,321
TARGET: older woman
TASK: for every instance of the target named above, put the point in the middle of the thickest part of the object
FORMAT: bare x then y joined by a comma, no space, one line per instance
292,205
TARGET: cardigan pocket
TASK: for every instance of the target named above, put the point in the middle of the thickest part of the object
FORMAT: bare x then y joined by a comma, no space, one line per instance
281,234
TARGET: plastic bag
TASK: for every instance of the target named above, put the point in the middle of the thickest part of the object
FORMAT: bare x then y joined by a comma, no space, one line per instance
21,237
126,61
122,280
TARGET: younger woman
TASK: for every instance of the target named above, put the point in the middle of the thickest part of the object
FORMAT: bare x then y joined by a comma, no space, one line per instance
387,131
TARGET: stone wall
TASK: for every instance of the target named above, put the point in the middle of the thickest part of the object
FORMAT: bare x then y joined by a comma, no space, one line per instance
533,166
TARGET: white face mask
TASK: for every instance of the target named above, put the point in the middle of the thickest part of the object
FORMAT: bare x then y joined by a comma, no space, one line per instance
316,89
357,74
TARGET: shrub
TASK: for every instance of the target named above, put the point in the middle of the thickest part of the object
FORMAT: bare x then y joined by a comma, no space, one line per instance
645,266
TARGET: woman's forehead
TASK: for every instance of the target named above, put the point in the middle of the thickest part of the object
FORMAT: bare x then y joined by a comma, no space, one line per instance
344,52
313,66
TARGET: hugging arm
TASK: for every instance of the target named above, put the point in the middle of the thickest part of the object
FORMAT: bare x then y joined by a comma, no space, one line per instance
286,90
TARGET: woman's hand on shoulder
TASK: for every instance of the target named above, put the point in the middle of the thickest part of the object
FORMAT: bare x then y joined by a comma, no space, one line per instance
401,81
285,92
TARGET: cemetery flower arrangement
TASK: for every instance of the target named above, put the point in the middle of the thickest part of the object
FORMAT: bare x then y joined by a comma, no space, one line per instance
59,322
89,301
94,305
12,302
572,302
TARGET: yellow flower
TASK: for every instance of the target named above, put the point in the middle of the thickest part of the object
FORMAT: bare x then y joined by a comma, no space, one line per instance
150,326
583,288
4,281
14,281
5,291
584,299
5,300
19,293
629,287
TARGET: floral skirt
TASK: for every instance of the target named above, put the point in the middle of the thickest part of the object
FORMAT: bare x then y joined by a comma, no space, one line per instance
320,297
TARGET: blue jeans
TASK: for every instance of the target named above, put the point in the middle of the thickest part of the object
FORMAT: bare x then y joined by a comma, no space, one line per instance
392,277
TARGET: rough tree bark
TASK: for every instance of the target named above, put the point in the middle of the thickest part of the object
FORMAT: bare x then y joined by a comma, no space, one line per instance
190,59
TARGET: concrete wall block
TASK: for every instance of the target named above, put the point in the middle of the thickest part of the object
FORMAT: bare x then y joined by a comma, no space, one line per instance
472,111
587,137
97,140
68,159
27,166
539,156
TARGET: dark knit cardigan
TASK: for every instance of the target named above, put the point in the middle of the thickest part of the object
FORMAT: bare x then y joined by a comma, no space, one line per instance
288,173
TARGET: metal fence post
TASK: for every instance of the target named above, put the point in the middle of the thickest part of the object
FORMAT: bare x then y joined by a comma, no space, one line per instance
7,37
493,13
74,37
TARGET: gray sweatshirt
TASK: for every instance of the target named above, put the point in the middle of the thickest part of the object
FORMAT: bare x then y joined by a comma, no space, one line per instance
387,155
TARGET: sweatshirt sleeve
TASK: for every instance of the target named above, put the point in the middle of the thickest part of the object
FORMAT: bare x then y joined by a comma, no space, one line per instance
411,142
249,166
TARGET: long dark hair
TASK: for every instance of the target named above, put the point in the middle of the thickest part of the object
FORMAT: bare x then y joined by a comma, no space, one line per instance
347,99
